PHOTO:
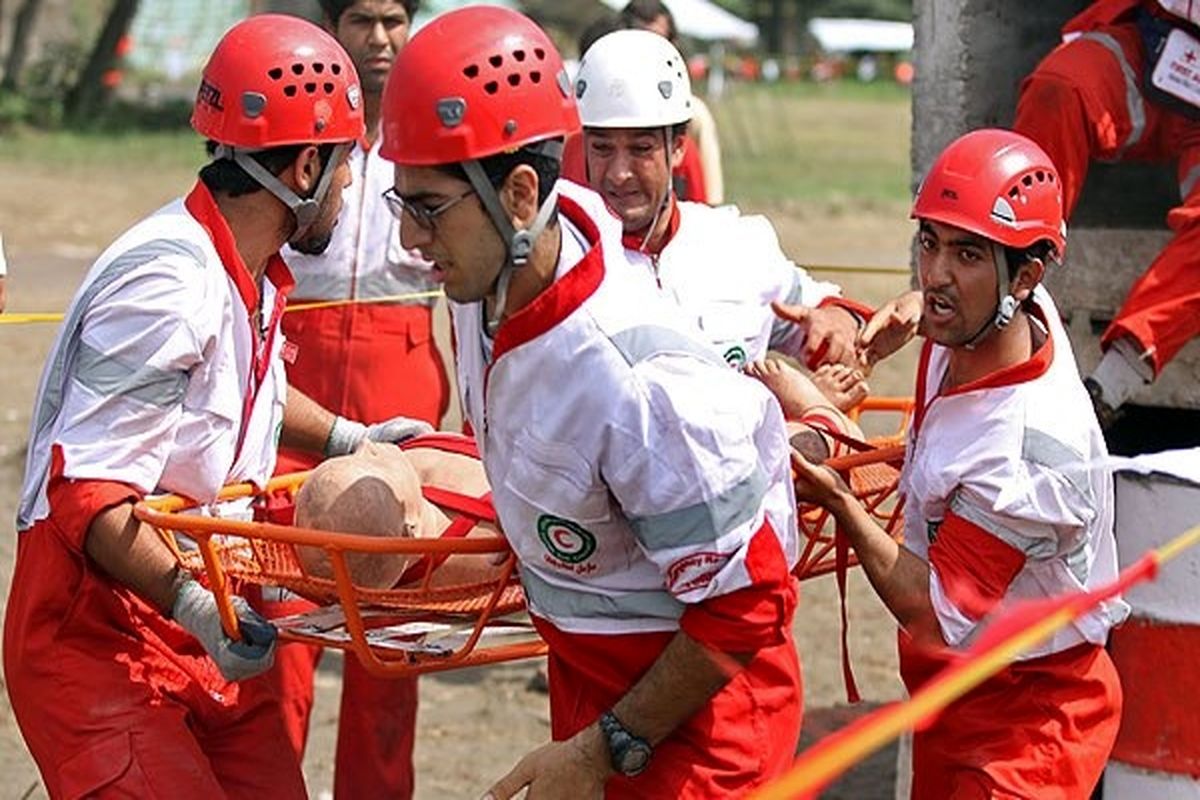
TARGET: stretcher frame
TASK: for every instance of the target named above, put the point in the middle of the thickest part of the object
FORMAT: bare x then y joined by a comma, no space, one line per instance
229,553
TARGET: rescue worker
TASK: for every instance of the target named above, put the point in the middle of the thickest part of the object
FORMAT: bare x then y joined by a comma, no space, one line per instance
642,484
1000,505
724,269
166,377
338,352
1112,92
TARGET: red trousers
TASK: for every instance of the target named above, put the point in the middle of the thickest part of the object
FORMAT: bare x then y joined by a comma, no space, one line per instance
1085,101
114,701
367,363
1042,729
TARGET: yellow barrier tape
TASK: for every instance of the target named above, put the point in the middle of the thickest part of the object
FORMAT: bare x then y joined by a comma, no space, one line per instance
817,767
20,318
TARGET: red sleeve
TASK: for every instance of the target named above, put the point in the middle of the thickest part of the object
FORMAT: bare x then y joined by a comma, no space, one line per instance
860,310
689,175
749,619
974,567
75,503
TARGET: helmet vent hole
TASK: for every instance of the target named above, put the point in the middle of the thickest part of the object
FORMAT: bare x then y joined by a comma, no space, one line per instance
275,73
336,69
328,88
540,53
472,71
318,67
311,88
290,90
1027,180
297,69
491,87
1014,192
535,76
519,55
514,79
496,61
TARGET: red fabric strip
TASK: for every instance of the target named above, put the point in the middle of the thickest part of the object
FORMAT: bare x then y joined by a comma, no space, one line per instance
975,567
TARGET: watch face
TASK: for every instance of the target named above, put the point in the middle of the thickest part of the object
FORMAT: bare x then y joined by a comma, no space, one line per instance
635,759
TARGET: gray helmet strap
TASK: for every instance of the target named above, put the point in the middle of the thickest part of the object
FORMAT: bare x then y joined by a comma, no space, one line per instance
1006,304
304,209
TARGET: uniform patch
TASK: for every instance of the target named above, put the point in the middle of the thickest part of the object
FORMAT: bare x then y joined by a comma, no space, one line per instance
567,541
694,572
735,357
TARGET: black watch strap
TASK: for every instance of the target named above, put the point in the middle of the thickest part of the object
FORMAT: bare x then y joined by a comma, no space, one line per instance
630,754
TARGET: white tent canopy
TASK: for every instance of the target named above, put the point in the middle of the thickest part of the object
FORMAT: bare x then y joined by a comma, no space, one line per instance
861,35
701,19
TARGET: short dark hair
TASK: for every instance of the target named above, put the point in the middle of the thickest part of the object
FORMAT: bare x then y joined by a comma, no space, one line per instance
598,29
333,9
228,177
1043,251
498,167
640,13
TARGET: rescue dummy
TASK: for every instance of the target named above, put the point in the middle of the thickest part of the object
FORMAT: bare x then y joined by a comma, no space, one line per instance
376,491
1000,503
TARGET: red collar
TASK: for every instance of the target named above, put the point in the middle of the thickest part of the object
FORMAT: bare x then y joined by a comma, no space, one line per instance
1032,368
201,205
558,300
633,241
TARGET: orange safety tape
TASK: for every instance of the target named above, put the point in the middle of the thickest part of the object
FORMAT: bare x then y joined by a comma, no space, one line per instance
1011,634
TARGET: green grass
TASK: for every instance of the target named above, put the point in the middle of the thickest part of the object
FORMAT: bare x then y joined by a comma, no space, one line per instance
100,152
825,144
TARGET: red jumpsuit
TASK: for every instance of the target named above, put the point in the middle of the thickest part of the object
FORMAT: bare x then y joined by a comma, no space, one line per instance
367,362
1086,101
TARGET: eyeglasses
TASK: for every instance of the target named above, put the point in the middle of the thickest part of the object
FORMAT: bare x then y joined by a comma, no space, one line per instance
424,216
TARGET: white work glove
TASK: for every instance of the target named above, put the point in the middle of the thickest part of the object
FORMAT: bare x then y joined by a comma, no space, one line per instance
347,435
196,610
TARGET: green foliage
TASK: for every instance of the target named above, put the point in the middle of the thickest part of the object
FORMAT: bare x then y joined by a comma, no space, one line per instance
835,145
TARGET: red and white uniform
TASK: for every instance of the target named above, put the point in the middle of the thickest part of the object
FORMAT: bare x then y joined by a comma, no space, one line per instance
724,269
1087,101
645,489
163,379
1001,503
368,362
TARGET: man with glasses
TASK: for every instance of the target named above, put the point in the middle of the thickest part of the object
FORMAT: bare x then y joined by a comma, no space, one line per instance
642,484
338,356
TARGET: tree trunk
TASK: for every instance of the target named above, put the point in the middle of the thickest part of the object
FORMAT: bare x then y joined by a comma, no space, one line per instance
89,93
18,47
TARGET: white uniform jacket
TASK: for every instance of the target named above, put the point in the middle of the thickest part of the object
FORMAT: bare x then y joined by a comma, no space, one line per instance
364,258
1004,496
157,378
724,270
629,467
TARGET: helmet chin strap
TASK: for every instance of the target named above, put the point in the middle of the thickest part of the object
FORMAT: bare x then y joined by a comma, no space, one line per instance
666,201
304,209
1006,304
518,244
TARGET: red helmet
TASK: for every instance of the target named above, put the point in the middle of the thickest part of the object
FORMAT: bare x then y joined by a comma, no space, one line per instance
472,83
997,184
276,80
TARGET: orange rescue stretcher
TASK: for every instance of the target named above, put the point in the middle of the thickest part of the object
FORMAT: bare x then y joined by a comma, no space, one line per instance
419,627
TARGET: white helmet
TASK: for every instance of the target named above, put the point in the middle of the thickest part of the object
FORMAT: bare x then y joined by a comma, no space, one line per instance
633,79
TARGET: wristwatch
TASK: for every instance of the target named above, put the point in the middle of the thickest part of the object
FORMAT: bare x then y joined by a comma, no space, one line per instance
630,754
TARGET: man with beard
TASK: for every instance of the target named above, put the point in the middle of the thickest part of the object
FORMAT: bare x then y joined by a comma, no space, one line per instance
1000,503
167,377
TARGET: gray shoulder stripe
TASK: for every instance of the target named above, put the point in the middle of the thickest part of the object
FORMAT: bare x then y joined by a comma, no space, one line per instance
1034,548
1039,447
115,270
555,601
645,341
703,523
109,377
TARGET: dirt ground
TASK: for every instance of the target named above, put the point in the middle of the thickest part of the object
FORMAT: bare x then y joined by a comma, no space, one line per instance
475,724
